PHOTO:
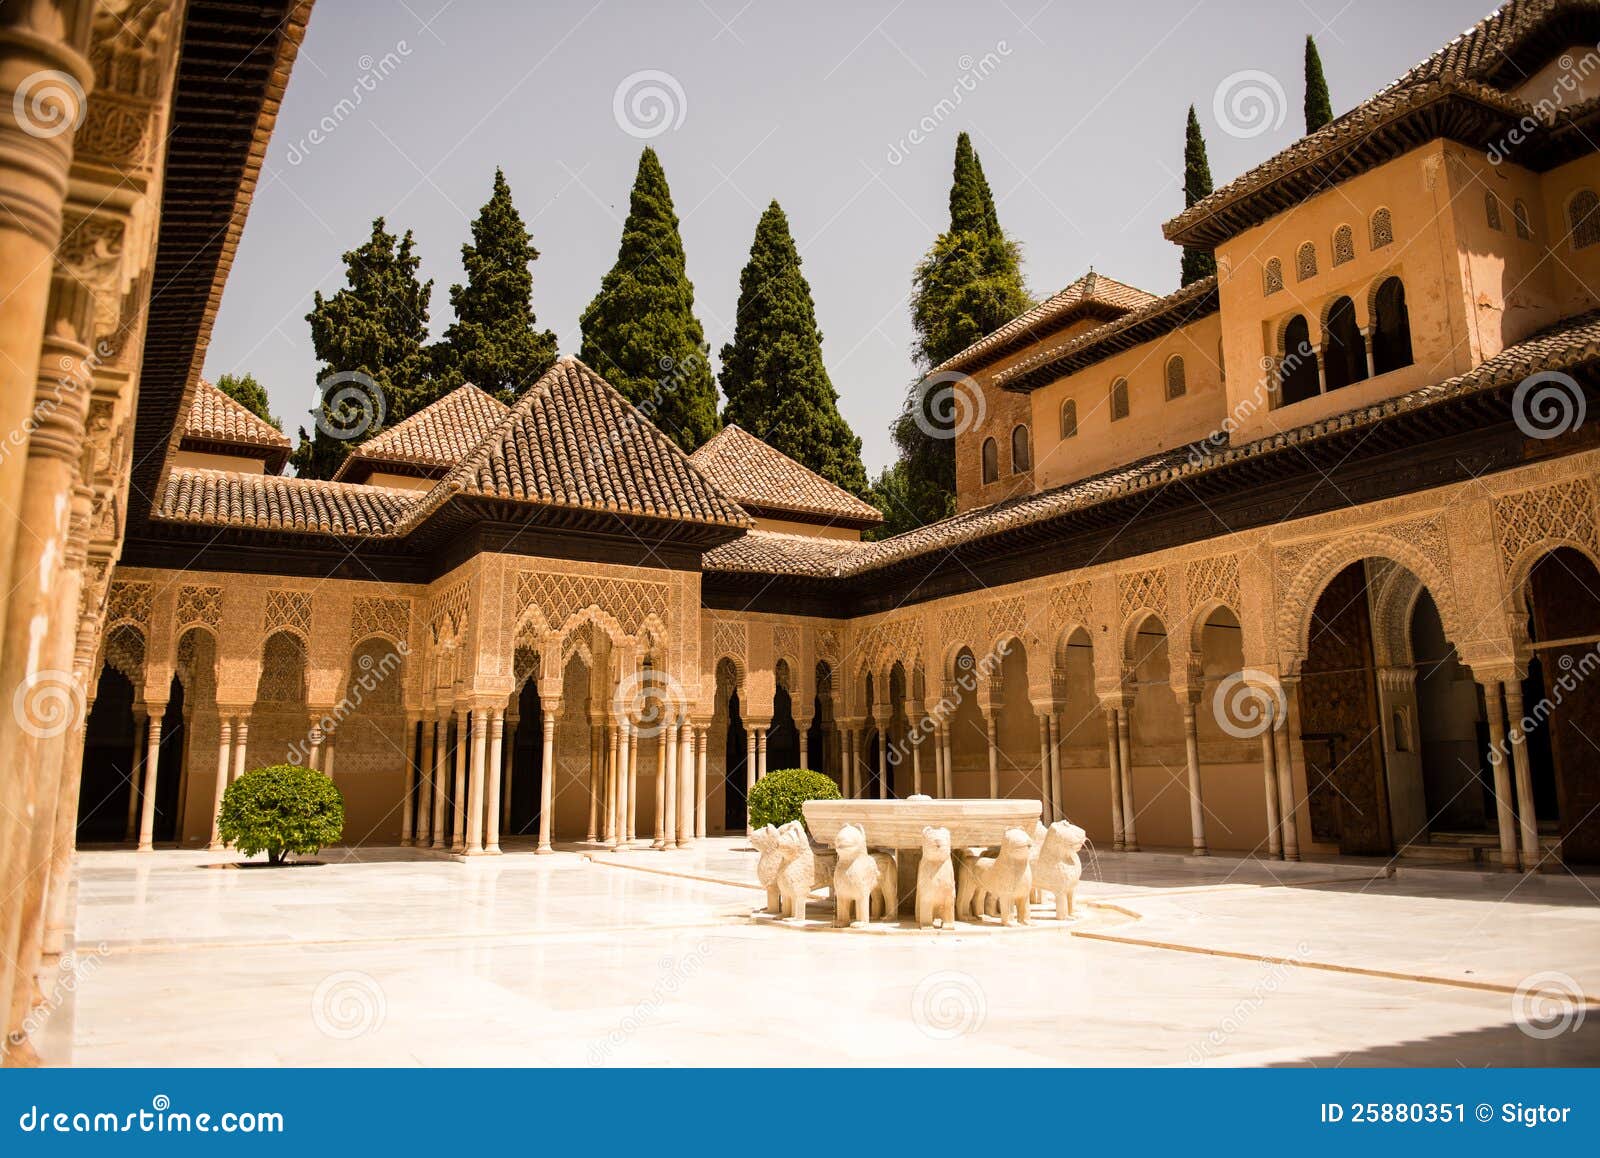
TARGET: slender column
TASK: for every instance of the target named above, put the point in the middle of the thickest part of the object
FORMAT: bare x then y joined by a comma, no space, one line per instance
408,813
152,768
595,750
1526,816
1055,766
475,782
667,742
1269,767
1499,760
458,824
317,738
994,753
1130,840
1197,812
915,739
614,753
685,783
424,782
508,762
547,779
1285,770
660,840
627,770
883,762
631,812
761,753
749,773
1044,767
1114,767
441,776
224,755
803,729
241,743
949,760
136,773
701,739
491,811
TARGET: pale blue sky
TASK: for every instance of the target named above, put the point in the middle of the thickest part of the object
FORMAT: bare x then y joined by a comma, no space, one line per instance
1076,109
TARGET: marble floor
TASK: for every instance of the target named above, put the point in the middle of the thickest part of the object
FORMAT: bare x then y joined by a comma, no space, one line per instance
392,957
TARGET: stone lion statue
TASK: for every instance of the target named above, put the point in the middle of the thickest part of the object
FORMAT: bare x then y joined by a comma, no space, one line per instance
1007,878
864,883
797,871
1058,868
936,880
765,839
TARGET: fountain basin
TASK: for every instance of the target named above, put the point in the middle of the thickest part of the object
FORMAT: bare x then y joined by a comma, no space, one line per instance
899,823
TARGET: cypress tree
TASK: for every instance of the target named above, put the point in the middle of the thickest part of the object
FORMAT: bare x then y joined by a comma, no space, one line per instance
640,332
773,376
493,343
376,326
1197,263
1319,109
249,393
969,284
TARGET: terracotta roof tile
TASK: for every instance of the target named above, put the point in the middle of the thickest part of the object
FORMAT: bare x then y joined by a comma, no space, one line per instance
765,480
266,502
216,419
1084,296
439,435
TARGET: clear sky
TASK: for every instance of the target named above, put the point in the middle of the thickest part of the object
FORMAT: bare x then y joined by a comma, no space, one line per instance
1076,109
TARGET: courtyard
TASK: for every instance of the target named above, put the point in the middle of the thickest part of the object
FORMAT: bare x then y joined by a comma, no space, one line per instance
397,957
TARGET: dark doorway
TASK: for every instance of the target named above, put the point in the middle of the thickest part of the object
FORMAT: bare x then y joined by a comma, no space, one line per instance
1344,351
525,781
733,798
1298,377
783,738
108,747
1564,589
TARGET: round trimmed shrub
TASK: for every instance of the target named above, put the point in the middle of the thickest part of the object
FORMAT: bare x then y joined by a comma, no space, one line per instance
777,797
279,810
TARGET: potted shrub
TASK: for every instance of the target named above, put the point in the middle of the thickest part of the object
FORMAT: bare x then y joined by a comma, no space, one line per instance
777,797
280,810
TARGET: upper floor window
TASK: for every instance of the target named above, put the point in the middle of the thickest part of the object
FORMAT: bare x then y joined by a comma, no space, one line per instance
1021,449
1305,262
1519,214
1583,217
1069,419
1344,351
1391,328
1344,245
1177,385
1119,399
991,461
1298,377
1272,277
1491,210
1382,229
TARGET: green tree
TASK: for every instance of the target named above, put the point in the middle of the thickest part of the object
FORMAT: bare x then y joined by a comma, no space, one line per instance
247,392
493,343
640,332
969,284
773,376
369,337
1319,109
283,809
1197,263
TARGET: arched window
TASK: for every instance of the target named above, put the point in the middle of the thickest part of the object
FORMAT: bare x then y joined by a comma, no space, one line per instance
1583,217
1382,229
1519,214
1177,385
991,461
1297,373
1305,262
1344,353
1119,399
1344,245
1491,209
1272,277
1021,449
1069,419
1391,328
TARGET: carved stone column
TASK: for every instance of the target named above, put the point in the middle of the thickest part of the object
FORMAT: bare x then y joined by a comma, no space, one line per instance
686,783
496,765
1044,766
1269,770
1285,731
458,824
701,741
1528,819
1060,803
595,749
224,763
1114,770
441,777
550,715
994,752
1191,746
477,772
136,772
152,769
1130,839
241,742
1500,761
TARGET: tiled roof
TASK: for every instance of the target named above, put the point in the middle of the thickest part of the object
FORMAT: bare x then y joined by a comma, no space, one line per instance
265,502
1091,293
1460,91
217,420
765,480
1158,316
439,435
1561,347
572,441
